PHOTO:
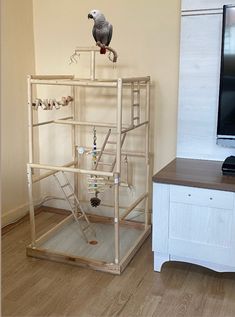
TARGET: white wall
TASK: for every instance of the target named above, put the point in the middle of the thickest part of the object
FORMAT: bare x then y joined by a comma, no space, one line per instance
200,55
17,60
146,37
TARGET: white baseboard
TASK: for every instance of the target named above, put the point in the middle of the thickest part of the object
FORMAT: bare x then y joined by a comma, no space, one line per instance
17,213
14,214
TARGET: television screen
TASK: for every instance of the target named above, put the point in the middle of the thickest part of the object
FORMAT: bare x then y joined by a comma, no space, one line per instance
226,113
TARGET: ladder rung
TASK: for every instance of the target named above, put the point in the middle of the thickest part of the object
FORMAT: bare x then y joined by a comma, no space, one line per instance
85,228
103,163
67,184
71,195
136,105
136,118
93,191
79,217
136,90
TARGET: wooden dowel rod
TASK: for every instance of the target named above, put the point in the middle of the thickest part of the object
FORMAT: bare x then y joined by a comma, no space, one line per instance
124,153
132,206
93,83
31,206
97,124
92,66
128,85
87,49
111,205
41,77
121,184
116,219
135,127
147,220
136,79
148,120
51,121
147,156
38,178
72,170
42,123
119,126
132,103
30,120
74,138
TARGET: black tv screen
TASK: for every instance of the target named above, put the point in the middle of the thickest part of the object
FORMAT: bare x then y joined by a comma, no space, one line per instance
226,113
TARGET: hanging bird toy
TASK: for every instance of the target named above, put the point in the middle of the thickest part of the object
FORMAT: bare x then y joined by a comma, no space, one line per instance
95,183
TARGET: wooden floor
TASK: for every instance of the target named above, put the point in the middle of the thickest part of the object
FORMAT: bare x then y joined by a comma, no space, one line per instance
33,287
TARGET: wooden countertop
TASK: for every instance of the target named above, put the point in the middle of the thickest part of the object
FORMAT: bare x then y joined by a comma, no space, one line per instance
195,173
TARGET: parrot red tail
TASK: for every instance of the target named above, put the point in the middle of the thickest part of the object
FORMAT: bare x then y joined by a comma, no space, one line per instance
102,50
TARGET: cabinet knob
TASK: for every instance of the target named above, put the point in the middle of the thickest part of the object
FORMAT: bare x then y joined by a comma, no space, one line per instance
211,198
189,195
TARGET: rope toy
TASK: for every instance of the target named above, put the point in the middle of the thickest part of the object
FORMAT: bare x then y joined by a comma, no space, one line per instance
48,104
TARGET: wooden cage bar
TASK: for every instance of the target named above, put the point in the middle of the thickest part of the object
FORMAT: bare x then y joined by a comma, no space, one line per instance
113,178
36,179
147,155
71,170
31,206
70,82
89,124
30,120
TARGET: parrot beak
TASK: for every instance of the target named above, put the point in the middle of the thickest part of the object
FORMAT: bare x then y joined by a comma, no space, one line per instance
90,16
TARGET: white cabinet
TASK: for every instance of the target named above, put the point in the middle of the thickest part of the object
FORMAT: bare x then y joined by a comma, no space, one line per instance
194,225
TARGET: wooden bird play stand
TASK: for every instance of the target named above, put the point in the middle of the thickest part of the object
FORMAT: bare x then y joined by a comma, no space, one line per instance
87,236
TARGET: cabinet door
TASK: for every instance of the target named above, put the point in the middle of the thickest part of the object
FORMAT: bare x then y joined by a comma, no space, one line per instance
203,230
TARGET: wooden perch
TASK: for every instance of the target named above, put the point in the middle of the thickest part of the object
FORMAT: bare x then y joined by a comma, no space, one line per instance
112,55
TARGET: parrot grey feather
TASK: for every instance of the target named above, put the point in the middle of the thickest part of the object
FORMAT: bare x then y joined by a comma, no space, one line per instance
102,30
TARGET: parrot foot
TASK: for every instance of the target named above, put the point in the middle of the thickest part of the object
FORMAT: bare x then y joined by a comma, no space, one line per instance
102,50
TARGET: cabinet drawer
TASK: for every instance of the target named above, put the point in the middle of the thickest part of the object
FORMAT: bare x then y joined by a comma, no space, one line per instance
201,197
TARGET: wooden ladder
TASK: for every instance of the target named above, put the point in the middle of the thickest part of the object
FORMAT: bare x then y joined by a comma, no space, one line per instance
74,204
106,141
135,103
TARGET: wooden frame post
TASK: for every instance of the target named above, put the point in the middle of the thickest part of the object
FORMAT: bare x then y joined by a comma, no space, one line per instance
30,120
73,127
74,138
31,206
92,67
147,156
119,125
118,170
116,219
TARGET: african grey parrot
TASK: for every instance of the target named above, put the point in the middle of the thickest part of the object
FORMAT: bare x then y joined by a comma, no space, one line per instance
102,30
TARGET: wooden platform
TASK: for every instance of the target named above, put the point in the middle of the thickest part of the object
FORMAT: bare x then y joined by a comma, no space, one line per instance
67,245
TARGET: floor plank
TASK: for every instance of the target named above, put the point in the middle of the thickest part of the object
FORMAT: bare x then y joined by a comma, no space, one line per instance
33,287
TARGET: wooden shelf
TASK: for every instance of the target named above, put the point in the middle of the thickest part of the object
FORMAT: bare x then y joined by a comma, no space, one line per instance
195,173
